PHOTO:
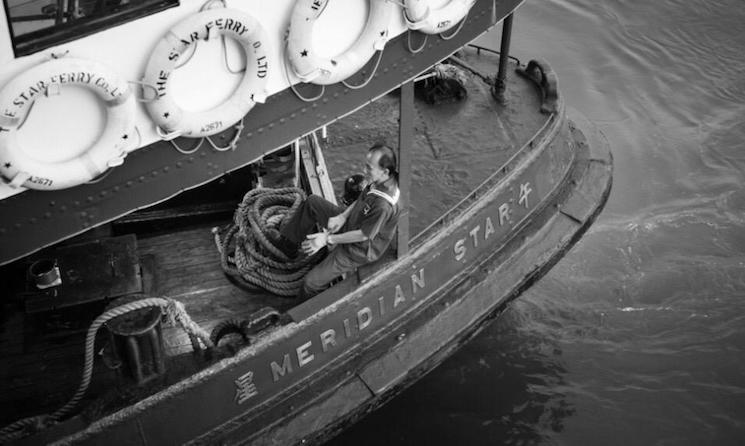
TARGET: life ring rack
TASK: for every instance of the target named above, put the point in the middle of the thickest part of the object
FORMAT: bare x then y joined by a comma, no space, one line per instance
310,66
420,17
170,119
17,97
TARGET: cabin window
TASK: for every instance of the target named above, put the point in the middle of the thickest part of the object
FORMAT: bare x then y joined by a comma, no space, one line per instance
38,24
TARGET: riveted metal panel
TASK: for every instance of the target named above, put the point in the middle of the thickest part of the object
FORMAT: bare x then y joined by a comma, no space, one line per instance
34,219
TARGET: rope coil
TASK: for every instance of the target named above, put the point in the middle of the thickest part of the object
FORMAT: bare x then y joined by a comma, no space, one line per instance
247,249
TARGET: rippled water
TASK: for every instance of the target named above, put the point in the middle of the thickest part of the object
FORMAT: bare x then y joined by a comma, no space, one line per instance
638,335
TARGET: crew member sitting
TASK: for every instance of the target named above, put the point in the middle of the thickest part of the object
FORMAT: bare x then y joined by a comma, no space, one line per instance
355,236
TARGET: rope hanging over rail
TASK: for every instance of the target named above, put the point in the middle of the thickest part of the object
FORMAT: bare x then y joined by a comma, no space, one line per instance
247,249
176,315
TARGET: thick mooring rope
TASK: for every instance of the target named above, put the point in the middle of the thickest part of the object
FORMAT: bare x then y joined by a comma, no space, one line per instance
176,314
247,248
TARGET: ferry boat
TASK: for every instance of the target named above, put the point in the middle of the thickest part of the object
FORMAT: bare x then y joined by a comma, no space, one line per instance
134,135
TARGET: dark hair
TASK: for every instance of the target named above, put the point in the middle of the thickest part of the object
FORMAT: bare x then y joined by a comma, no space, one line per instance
353,187
387,159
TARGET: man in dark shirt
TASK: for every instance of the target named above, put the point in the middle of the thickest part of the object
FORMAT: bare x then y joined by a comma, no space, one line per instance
356,235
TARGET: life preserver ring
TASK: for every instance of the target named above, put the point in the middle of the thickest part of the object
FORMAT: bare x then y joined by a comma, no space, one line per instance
16,98
312,67
419,16
248,32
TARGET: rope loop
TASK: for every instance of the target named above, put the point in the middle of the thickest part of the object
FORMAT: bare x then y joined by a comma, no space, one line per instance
175,313
248,250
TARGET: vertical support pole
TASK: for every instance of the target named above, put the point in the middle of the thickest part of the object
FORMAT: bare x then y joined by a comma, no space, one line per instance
405,140
504,56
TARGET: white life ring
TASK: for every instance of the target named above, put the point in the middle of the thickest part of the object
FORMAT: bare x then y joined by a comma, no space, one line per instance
248,32
16,98
419,16
310,66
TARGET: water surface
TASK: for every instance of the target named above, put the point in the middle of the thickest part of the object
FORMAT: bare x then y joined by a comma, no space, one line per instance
638,335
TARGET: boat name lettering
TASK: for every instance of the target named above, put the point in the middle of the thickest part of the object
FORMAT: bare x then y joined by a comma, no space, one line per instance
227,24
245,387
262,66
224,24
317,4
62,78
211,126
443,24
525,189
161,82
330,338
504,212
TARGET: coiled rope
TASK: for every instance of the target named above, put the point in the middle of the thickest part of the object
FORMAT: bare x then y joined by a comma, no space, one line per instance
175,313
247,248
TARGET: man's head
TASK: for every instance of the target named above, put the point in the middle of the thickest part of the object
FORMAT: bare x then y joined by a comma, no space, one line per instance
380,164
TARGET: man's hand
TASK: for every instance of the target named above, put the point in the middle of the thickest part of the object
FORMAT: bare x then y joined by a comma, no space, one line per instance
314,242
335,223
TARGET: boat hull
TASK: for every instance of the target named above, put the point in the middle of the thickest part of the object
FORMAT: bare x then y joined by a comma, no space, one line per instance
460,309
351,348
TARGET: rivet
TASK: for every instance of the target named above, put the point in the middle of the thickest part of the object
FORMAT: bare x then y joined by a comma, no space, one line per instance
179,163
52,203
90,199
142,179
166,169
47,215
129,183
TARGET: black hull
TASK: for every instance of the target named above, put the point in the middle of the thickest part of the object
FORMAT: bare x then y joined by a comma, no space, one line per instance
394,327
462,310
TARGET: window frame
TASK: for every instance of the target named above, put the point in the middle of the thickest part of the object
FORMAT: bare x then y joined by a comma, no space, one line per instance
42,39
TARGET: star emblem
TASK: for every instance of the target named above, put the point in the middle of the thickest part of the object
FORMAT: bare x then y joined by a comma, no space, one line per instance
7,165
304,53
166,114
252,96
382,33
125,136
